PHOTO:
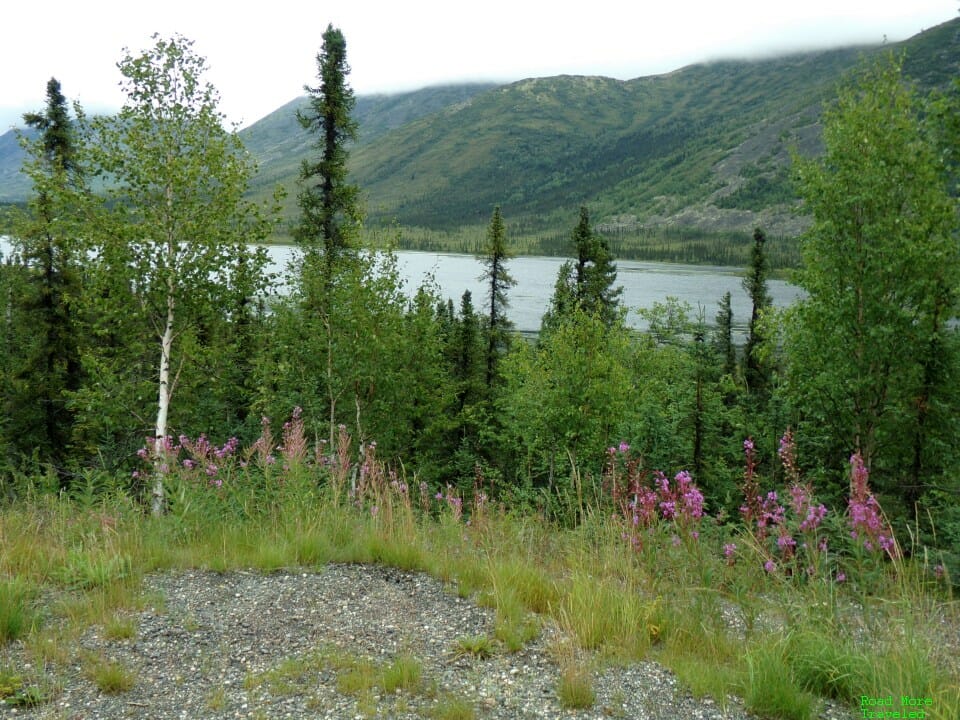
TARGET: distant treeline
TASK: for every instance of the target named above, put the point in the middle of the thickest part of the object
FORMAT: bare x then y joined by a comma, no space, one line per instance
672,244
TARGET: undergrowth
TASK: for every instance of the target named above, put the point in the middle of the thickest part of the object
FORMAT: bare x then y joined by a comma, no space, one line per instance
732,608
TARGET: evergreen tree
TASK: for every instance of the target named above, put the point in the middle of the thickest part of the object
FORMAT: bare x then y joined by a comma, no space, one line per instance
329,210
756,371
48,364
468,355
723,338
587,282
595,272
562,302
498,282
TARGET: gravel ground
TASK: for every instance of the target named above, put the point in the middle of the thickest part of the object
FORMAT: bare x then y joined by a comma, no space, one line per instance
212,645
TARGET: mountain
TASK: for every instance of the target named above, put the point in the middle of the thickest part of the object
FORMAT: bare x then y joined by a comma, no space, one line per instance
279,143
14,185
706,147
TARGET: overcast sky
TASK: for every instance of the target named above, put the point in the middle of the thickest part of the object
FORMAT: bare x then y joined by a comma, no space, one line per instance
261,54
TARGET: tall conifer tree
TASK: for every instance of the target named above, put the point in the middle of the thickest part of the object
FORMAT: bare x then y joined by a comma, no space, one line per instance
756,372
595,272
329,210
48,367
586,283
498,282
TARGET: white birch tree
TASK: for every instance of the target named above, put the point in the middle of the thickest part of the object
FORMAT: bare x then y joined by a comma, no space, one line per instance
180,224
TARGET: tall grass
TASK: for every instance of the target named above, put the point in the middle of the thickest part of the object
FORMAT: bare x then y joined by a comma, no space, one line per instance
618,589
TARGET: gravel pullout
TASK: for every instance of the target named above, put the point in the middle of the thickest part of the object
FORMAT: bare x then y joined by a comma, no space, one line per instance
220,645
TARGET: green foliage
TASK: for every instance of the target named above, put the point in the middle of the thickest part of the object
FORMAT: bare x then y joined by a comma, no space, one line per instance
723,337
16,615
478,646
329,213
498,282
575,689
586,283
403,673
42,288
110,676
870,360
376,363
760,192
756,372
167,296
768,688
564,399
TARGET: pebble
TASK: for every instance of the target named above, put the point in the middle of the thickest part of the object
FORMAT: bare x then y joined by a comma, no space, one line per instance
220,632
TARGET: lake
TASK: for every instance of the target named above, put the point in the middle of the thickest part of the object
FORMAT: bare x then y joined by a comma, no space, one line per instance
644,283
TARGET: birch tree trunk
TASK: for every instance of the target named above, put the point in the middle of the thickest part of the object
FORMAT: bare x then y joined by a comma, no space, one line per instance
163,406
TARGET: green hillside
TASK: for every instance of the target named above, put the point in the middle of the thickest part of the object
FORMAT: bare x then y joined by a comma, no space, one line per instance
701,152
279,142
704,149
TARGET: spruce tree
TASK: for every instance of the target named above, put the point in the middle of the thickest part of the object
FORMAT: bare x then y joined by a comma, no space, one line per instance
498,282
723,339
468,353
587,282
756,371
329,210
48,365
595,272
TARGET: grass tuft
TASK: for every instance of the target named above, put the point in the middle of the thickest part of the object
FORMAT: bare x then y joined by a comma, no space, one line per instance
575,689
110,677
404,673
453,708
768,687
16,615
478,646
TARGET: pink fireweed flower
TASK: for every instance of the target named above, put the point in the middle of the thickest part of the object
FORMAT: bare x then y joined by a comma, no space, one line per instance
866,522
644,506
798,498
815,516
786,543
690,495
729,552
787,454
750,510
